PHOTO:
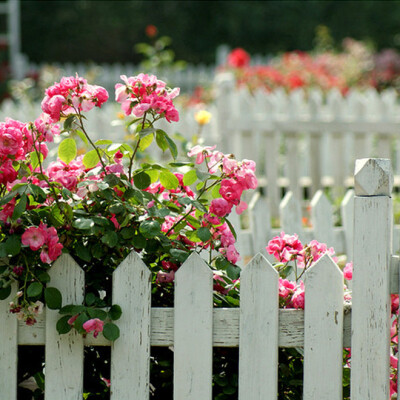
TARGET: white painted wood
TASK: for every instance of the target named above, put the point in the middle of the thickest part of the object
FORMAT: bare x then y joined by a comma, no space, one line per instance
290,213
347,213
193,331
260,223
225,329
64,353
8,349
323,332
371,300
130,356
321,218
258,345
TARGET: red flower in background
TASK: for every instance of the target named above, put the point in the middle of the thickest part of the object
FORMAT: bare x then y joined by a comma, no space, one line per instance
151,31
238,58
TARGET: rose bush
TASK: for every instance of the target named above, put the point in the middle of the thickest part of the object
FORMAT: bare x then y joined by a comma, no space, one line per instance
100,206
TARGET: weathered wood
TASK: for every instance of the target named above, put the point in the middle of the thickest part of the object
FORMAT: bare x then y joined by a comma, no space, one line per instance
225,329
130,356
290,213
193,331
323,332
64,353
371,300
258,343
8,349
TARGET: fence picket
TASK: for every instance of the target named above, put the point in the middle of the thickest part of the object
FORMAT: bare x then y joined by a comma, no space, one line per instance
8,349
193,331
64,353
323,331
371,276
347,213
290,213
259,326
130,357
321,218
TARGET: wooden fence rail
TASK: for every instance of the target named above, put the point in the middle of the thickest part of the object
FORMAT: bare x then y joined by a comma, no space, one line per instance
258,327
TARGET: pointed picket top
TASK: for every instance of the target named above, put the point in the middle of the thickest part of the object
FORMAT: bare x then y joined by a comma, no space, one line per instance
260,222
335,102
323,330
130,356
290,215
321,218
356,106
259,327
194,264
259,265
373,177
193,318
64,353
315,104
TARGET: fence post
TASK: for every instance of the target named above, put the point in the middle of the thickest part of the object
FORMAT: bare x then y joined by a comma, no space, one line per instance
371,294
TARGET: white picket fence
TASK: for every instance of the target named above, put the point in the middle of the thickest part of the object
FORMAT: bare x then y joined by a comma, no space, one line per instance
258,327
306,139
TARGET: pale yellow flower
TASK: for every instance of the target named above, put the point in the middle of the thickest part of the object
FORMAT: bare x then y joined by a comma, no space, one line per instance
202,117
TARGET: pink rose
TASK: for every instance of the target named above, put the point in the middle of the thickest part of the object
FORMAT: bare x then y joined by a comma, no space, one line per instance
220,207
34,238
348,271
95,325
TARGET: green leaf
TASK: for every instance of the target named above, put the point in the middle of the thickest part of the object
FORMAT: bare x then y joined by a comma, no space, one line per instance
172,146
110,239
72,309
101,142
180,255
233,271
199,206
111,331
68,122
82,136
34,289
160,140
63,326
7,198
142,180
145,142
13,245
203,176
35,160
97,313
154,174
169,180
150,228
90,299
5,292
231,228
20,207
203,234
82,318
115,312
83,223
53,298
43,277
90,159
38,193
139,242
67,150
82,252
190,177
146,132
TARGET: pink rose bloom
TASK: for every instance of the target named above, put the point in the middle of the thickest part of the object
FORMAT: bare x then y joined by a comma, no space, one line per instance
8,173
95,325
72,319
395,303
11,138
200,152
348,271
238,58
231,191
68,83
232,254
298,297
165,277
53,106
241,207
286,288
34,238
284,247
220,207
